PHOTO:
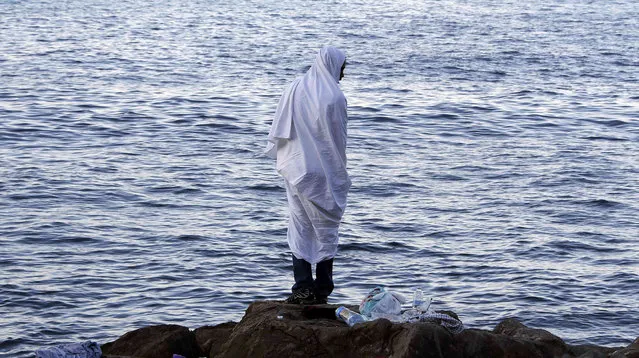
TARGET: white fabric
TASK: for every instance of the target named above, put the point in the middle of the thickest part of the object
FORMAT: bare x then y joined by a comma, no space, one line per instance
308,139
312,232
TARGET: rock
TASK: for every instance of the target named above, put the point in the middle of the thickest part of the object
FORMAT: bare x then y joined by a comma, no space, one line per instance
547,343
303,331
480,343
589,351
160,341
276,329
632,351
210,338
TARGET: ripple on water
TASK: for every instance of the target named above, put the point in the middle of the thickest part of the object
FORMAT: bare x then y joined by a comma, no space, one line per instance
134,189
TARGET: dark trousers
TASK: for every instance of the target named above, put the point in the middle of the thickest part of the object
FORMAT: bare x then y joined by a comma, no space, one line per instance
322,286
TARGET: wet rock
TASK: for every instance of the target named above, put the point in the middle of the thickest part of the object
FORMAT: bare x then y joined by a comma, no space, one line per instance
273,329
480,343
632,351
276,329
160,341
545,342
210,338
589,351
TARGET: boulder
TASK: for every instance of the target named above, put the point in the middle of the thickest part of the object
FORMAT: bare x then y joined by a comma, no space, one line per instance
161,341
274,329
210,338
545,342
277,329
589,351
632,351
481,343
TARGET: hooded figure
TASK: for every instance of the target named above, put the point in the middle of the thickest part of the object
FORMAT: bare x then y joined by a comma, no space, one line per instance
308,139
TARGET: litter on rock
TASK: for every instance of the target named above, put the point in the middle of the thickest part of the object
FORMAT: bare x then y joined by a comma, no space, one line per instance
380,303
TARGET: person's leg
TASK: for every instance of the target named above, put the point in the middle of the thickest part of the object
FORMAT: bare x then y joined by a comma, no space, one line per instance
298,226
324,281
303,273
303,287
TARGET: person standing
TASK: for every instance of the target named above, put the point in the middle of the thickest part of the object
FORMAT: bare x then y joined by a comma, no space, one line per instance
308,139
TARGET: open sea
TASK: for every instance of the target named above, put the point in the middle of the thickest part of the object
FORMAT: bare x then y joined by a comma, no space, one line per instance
493,148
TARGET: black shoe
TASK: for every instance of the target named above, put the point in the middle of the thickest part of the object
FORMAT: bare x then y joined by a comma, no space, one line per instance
321,300
302,296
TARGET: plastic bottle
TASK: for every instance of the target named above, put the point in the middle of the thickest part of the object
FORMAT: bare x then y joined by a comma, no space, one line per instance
419,307
412,314
418,299
350,317
420,303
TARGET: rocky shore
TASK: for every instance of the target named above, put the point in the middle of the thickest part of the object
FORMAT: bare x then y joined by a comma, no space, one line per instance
276,329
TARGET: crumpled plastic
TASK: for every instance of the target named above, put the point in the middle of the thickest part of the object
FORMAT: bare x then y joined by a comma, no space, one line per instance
380,302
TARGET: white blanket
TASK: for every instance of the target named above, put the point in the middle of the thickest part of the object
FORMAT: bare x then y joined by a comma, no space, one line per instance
308,139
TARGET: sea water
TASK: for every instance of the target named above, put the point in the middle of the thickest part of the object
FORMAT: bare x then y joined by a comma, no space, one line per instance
493,148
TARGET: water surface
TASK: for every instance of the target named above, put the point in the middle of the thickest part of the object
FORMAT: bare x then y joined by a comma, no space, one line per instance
492,145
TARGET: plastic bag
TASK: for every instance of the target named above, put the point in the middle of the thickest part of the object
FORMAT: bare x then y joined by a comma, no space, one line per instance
379,303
